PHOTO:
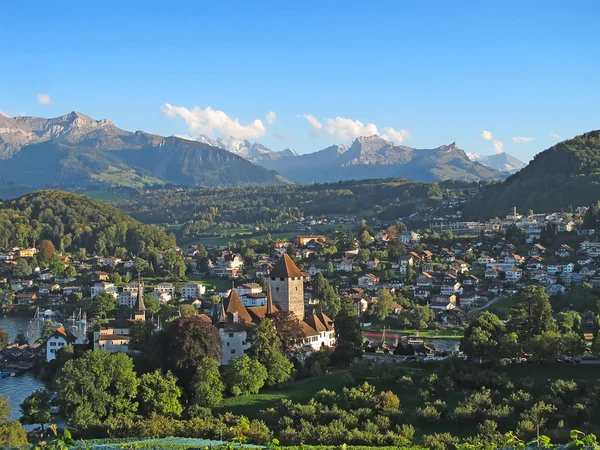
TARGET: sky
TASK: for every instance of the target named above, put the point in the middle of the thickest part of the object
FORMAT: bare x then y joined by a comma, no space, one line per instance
490,76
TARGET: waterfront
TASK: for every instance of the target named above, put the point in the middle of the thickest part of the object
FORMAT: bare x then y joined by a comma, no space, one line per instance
391,339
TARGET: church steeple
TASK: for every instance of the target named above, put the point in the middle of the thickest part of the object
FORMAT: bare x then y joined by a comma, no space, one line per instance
140,308
269,302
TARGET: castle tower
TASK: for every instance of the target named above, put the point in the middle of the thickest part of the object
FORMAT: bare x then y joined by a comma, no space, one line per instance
286,283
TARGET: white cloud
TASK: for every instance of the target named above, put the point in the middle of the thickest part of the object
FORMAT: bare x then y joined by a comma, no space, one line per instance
209,120
498,147
271,117
487,135
345,129
389,134
316,126
557,136
283,136
520,139
44,99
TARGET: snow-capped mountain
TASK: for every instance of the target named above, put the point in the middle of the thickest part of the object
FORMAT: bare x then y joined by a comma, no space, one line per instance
499,161
253,151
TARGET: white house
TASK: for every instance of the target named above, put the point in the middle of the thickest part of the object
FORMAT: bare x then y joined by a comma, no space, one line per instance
165,288
450,289
368,280
56,341
105,287
345,265
193,290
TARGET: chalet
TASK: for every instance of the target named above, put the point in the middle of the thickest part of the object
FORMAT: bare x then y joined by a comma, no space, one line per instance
513,274
26,299
404,262
368,281
564,251
425,279
555,289
58,340
460,265
537,250
450,289
345,265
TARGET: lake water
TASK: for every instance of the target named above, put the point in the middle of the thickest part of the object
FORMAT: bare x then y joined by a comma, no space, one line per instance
446,345
16,389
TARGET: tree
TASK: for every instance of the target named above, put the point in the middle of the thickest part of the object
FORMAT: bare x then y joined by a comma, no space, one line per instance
46,251
384,305
22,268
20,338
212,301
289,330
531,313
188,340
102,304
568,321
152,304
143,336
245,376
348,334
12,434
422,316
188,310
483,336
343,238
159,394
174,264
328,298
206,386
49,328
35,409
4,339
545,346
267,349
98,386
589,220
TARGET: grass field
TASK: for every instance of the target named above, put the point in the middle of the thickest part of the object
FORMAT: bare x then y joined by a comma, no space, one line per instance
302,391
502,307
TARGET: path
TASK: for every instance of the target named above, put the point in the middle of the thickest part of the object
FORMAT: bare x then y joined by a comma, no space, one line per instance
472,313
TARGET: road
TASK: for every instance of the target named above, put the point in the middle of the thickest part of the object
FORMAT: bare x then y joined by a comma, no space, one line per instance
472,313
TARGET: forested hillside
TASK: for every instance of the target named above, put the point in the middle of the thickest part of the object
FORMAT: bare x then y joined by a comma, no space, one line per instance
74,222
386,198
565,174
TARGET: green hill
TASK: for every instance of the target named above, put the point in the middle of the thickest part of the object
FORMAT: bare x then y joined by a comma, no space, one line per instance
74,222
566,174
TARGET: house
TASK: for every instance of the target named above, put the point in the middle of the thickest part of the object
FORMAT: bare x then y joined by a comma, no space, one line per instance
404,262
165,288
193,290
68,290
229,265
161,297
513,275
460,265
450,289
47,288
554,289
396,309
127,298
303,240
58,340
360,305
537,250
26,299
421,293
425,279
345,265
368,281
111,288
538,275
313,270
28,252
19,285
100,276
471,280
564,251
491,273
109,261
409,237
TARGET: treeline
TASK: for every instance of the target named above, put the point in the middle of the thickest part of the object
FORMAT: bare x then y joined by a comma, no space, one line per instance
204,208
73,222
564,175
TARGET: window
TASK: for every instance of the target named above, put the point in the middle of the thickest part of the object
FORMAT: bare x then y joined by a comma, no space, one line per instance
230,335
233,351
282,279
52,344
276,289
228,344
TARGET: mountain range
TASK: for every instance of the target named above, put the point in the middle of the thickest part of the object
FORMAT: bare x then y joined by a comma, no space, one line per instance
499,161
75,150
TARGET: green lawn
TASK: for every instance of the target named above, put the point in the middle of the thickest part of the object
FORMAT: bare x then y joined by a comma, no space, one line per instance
502,307
301,391
217,283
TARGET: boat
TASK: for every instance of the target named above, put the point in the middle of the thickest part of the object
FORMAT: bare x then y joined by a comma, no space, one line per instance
4,374
415,341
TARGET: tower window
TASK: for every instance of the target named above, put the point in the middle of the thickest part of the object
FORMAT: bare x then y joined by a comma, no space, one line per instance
282,279
276,289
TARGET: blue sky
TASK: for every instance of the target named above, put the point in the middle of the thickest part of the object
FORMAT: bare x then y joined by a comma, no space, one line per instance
422,73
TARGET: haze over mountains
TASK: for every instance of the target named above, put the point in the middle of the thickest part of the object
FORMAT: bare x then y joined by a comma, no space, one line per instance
76,150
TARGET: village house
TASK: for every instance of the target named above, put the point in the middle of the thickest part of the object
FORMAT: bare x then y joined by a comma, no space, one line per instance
26,299
58,340
19,285
368,281
68,290
28,252
450,289
193,290
345,265
564,251
513,274
460,265
165,288
110,288
404,262
303,240
45,289
100,276
425,279
229,265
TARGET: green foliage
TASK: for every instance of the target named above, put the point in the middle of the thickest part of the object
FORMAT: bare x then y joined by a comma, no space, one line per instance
12,433
531,313
384,305
206,386
267,349
102,304
35,409
483,336
98,386
5,338
348,334
75,222
245,376
328,298
158,393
